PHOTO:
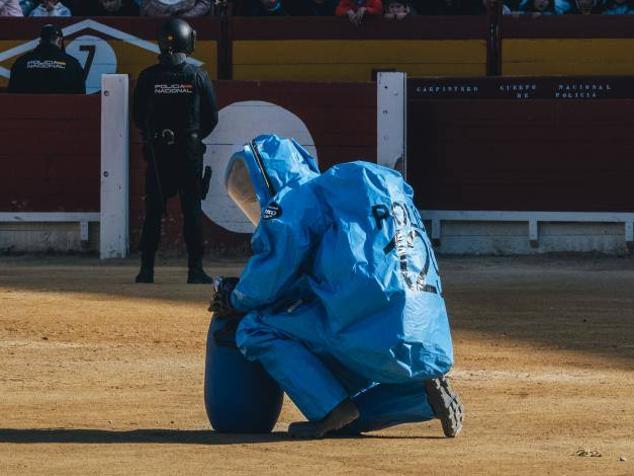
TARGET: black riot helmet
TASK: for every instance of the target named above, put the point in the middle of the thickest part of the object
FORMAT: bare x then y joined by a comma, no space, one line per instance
176,36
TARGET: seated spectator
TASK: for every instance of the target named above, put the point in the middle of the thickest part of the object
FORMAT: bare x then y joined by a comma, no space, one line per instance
537,8
441,7
47,69
175,8
321,8
490,5
116,8
355,10
561,6
398,9
50,8
27,6
619,7
266,8
10,8
80,8
460,7
585,7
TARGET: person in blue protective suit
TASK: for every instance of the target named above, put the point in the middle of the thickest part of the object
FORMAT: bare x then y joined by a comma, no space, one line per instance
342,302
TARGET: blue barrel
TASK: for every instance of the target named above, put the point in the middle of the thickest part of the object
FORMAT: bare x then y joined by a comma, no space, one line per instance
240,396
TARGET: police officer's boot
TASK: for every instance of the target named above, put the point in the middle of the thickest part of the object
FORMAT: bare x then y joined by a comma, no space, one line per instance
343,414
146,273
196,274
145,276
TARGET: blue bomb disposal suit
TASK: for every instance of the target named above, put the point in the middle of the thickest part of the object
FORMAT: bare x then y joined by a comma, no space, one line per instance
342,295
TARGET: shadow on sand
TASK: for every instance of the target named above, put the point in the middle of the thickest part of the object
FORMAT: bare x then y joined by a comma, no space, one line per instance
156,436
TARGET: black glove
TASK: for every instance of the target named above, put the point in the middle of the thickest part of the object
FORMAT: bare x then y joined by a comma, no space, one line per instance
220,303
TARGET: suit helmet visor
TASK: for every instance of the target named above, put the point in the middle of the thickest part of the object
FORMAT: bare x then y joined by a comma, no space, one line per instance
241,190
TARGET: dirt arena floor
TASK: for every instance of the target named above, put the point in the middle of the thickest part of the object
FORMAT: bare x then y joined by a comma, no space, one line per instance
102,376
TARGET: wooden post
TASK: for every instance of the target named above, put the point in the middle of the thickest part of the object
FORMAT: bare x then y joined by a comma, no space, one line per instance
494,39
391,123
115,166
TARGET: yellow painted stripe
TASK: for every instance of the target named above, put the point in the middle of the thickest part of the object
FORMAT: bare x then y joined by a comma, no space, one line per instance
354,60
132,59
349,72
359,51
568,57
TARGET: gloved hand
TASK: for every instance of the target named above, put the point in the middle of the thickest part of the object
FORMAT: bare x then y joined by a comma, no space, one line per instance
220,303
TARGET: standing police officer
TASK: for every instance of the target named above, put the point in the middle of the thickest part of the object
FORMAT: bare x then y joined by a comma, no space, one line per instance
47,69
175,107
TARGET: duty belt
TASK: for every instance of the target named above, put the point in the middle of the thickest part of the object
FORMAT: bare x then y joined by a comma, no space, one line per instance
168,136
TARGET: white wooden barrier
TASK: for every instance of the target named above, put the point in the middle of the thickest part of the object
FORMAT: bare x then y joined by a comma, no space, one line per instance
115,167
533,220
53,217
499,232
391,115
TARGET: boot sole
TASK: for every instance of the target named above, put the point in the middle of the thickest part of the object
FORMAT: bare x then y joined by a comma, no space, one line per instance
446,405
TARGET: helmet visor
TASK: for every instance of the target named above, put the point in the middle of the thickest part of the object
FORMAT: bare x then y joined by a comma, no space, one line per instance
241,191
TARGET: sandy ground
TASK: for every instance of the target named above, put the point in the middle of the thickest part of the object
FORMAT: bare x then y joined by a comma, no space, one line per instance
101,376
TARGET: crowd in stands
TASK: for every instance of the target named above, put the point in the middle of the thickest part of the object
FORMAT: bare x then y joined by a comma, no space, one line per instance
108,8
353,10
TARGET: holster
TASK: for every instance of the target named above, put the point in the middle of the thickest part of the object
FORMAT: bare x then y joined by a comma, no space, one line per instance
206,180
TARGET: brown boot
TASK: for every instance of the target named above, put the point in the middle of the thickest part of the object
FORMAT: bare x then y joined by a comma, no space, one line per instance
446,405
343,414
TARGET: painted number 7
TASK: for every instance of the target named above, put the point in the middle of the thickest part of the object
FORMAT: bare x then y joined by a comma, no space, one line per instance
91,56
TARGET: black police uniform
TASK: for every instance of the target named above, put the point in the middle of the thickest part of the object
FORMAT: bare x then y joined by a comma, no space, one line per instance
47,70
175,107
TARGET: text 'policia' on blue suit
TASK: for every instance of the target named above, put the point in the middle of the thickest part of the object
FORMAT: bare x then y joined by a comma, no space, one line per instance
343,300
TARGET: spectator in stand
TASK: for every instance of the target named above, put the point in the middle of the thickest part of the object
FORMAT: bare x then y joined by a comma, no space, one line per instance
50,8
81,8
355,10
537,8
175,8
439,7
489,5
266,8
459,7
10,8
585,7
27,6
619,7
398,10
561,6
320,8
116,8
